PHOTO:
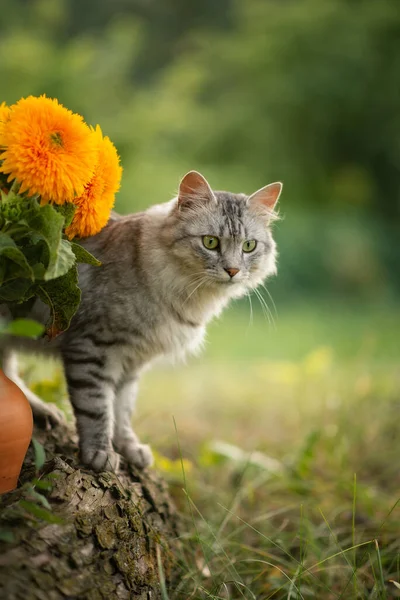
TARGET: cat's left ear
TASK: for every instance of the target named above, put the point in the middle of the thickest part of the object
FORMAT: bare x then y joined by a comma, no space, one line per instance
267,196
194,189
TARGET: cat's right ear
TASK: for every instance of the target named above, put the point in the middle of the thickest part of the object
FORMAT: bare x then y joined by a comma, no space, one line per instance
266,197
194,190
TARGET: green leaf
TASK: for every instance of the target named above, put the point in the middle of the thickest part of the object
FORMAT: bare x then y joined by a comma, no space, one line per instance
39,271
17,265
3,269
63,296
42,484
6,536
39,498
17,290
40,455
47,223
67,210
38,512
37,254
83,256
63,263
23,328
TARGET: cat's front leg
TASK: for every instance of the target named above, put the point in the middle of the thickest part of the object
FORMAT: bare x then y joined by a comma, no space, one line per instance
126,441
44,414
92,391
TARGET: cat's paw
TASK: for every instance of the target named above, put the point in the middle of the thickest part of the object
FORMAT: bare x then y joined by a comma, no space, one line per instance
100,460
138,455
47,415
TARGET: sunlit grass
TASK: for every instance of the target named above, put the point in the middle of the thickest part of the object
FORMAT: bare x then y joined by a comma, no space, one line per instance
275,511
281,447
291,458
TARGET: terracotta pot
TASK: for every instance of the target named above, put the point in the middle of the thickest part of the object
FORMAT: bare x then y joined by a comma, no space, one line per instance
16,425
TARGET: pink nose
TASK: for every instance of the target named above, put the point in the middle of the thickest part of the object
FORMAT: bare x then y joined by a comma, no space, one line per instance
232,272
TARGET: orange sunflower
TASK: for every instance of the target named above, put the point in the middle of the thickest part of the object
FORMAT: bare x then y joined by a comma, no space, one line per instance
49,149
4,116
93,207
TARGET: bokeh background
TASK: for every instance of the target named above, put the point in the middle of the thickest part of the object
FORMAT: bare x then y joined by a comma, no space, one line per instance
306,92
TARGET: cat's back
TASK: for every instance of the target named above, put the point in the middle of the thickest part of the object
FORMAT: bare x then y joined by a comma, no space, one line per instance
117,247
122,247
126,294
109,290
119,240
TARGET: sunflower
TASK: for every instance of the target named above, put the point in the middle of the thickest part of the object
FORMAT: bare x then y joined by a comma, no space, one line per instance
4,116
49,149
93,207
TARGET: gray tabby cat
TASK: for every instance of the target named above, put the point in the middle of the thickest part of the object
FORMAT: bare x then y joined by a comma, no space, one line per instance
165,274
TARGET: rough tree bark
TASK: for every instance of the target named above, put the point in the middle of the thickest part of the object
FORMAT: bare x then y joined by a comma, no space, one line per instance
113,535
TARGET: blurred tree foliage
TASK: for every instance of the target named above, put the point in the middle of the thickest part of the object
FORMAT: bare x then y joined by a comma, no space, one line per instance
299,90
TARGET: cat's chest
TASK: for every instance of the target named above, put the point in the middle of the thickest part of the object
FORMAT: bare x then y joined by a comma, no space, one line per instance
176,340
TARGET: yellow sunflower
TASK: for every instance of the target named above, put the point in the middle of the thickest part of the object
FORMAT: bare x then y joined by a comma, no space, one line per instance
4,116
93,207
49,149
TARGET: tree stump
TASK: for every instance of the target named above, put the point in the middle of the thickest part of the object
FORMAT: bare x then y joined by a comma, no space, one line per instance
112,535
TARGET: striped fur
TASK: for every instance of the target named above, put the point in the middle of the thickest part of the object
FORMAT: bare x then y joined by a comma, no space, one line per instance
156,290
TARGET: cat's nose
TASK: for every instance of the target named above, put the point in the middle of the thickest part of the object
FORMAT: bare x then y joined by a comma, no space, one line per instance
232,272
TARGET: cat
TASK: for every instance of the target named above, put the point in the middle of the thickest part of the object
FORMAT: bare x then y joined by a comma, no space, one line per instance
166,272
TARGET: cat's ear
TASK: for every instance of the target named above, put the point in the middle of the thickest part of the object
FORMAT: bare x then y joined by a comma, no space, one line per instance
267,196
194,189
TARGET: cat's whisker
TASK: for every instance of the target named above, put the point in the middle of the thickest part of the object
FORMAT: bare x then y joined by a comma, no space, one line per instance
251,311
265,314
202,272
193,277
195,289
195,281
267,306
270,312
270,315
272,318
266,309
271,298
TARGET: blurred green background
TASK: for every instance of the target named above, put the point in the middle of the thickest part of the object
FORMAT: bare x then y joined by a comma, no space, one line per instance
307,92
249,92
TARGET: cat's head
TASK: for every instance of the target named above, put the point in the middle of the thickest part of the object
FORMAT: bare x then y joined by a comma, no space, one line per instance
224,239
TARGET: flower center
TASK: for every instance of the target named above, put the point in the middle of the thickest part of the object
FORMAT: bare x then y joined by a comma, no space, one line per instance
56,138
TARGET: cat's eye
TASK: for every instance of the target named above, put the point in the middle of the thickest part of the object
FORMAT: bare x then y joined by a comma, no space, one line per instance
249,245
210,242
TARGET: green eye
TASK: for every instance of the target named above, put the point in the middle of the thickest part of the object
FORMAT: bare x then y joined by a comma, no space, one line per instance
249,245
210,242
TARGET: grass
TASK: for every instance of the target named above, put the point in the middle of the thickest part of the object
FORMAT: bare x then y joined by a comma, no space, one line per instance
281,447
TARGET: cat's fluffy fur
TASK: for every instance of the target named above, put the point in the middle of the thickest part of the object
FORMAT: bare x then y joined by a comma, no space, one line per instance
156,290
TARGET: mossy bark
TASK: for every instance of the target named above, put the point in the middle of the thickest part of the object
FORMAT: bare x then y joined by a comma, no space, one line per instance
113,535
